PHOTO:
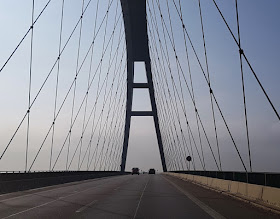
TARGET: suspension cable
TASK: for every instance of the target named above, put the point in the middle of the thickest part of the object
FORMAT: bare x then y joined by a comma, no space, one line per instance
57,81
208,74
25,35
48,75
68,94
246,59
203,72
243,87
29,87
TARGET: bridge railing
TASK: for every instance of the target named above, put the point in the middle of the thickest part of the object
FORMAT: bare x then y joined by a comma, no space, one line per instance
259,178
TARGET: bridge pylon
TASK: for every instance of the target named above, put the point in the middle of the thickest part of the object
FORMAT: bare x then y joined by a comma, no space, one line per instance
135,23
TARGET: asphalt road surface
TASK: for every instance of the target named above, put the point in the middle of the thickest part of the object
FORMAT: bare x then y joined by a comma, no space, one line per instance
130,196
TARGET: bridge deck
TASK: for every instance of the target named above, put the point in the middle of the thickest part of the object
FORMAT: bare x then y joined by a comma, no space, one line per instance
144,196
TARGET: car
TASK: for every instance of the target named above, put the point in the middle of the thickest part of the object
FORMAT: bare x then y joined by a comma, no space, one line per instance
152,171
135,170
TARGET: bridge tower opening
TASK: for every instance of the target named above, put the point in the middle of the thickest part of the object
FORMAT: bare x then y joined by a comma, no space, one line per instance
135,23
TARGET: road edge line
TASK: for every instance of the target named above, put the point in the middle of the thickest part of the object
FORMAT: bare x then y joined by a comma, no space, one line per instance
199,203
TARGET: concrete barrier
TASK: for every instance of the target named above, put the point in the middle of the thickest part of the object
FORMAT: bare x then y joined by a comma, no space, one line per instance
224,185
233,187
254,191
13,182
263,195
271,196
242,189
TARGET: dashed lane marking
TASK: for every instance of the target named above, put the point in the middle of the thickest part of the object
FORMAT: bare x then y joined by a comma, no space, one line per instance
141,198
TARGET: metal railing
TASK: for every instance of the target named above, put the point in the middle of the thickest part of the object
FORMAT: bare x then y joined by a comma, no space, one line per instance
258,178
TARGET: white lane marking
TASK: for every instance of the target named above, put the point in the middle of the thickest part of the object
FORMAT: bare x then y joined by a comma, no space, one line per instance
65,186
40,188
46,203
30,194
38,206
203,206
86,206
141,198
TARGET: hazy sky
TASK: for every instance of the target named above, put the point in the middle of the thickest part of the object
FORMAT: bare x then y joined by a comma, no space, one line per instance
260,34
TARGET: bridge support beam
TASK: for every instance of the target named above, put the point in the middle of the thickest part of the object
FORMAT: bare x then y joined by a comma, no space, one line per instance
135,23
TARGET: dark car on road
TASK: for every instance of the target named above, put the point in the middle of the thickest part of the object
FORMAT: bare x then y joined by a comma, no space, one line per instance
135,170
152,171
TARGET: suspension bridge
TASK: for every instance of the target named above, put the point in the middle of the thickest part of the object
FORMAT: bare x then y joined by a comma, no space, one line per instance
90,89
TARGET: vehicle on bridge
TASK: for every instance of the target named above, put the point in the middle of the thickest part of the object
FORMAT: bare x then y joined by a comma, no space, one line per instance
135,170
152,171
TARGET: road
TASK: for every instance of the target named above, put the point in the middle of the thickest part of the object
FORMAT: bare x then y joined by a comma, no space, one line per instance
143,196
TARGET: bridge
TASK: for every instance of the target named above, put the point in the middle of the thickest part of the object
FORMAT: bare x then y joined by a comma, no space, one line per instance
90,89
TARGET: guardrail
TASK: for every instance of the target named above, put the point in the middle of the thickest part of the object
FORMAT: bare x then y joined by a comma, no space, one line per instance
258,178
